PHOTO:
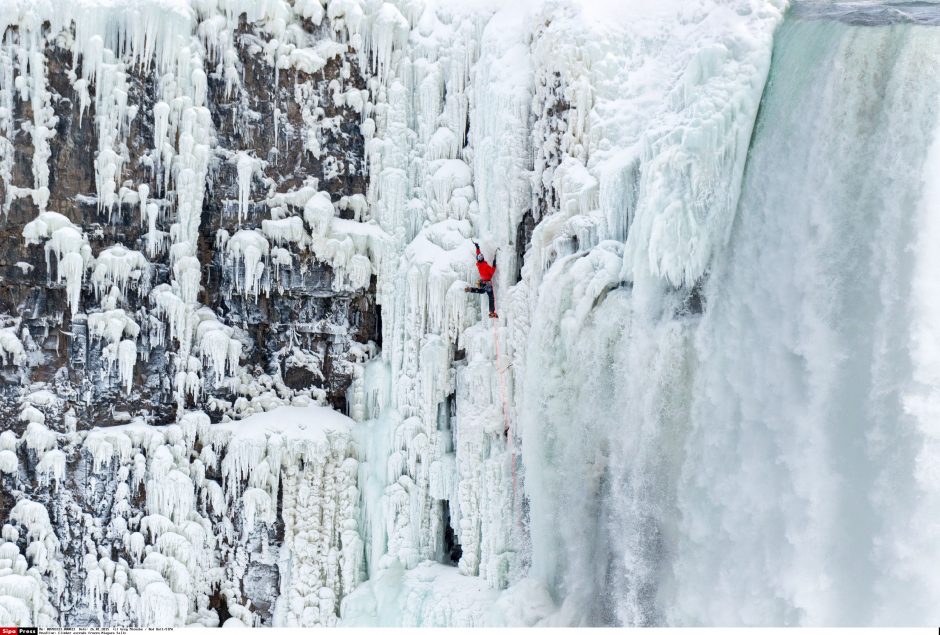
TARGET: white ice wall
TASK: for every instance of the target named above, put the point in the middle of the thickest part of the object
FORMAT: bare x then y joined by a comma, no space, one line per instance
631,143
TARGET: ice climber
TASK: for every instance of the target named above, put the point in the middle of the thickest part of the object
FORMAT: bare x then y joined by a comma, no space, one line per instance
485,285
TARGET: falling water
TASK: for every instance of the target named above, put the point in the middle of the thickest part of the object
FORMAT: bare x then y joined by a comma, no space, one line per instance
774,460
800,479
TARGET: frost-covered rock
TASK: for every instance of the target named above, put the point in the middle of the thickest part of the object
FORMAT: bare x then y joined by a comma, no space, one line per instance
189,538
156,156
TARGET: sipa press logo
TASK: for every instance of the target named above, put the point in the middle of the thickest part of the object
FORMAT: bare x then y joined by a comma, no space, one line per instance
18,630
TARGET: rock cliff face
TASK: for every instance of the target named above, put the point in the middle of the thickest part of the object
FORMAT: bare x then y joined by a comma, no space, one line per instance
292,128
186,242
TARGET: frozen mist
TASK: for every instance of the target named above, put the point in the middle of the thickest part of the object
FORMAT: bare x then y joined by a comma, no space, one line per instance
243,384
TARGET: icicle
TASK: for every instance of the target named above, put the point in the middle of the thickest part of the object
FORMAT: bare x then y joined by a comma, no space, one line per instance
245,166
250,247
115,266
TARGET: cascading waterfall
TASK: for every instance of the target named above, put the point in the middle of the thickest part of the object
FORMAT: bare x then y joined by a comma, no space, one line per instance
772,461
805,448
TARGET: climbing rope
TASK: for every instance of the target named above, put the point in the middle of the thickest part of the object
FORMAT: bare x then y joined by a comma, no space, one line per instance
502,381
506,426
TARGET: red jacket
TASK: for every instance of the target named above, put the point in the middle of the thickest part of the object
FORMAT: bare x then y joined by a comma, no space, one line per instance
486,271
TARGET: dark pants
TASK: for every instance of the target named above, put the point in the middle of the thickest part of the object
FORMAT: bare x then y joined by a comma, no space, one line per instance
487,288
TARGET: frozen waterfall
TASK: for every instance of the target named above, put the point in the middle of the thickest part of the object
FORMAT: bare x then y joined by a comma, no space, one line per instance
250,388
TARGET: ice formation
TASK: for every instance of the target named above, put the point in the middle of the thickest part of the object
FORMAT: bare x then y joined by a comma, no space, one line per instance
246,167
206,520
11,348
116,266
70,246
715,334
249,249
